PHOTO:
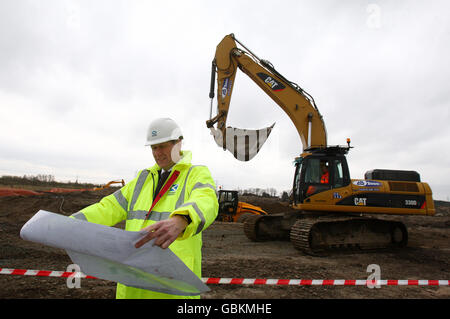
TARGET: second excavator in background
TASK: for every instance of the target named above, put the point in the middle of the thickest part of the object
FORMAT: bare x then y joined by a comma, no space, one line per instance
122,182
233,210
332,211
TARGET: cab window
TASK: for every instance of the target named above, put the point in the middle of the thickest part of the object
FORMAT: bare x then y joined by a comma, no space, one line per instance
317,171
338,180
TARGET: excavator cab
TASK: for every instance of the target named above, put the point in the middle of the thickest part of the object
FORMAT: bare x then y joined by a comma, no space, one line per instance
228,203
320,171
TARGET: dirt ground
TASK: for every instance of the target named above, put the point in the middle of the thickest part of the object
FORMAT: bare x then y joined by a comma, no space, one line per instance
228,253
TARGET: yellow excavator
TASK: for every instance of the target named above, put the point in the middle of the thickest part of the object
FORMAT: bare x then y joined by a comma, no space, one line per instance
331,211
233,210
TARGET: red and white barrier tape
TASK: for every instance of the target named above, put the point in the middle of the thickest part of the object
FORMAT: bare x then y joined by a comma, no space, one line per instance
247,281
325,282
43,273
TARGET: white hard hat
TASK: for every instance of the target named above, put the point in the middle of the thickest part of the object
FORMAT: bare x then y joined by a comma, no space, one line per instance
163,130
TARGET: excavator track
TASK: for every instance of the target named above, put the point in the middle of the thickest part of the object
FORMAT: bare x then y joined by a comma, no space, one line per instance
301,234
251,228
324,235
264,227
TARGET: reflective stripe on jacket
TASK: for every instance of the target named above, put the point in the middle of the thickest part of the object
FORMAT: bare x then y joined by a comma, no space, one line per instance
192,193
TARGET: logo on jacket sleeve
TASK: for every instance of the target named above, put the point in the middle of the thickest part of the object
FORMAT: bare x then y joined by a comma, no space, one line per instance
173,189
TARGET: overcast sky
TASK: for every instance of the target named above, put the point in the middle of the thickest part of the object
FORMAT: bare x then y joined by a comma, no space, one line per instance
81,80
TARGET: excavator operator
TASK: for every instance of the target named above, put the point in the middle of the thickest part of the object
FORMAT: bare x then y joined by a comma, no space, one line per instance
325,173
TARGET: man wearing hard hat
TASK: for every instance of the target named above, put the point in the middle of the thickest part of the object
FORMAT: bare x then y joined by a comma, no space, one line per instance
174,201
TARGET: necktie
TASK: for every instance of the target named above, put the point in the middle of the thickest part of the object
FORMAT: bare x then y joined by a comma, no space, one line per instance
161,181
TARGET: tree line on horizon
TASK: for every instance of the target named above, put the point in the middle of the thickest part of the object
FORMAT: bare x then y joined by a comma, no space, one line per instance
41,179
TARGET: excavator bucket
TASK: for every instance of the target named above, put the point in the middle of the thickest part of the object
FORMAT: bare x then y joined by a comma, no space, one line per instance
242,143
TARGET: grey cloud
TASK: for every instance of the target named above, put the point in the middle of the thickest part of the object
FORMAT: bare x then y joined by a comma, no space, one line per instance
105,68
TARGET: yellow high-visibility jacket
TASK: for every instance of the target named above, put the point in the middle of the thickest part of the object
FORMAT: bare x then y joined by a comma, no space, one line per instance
193,193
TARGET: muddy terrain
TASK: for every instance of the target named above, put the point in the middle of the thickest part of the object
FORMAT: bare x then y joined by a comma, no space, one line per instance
228,253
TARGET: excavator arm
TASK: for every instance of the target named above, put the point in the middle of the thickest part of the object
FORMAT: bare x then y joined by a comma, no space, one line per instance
295,102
